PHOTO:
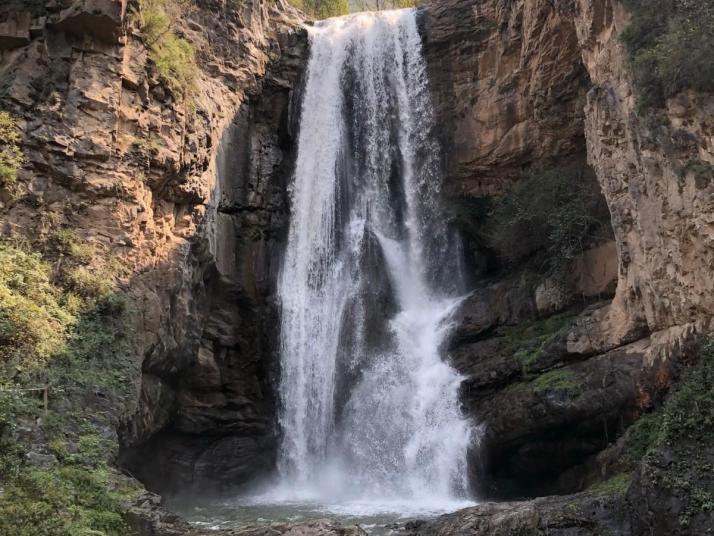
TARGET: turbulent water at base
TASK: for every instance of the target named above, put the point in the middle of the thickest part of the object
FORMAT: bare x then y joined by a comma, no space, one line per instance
370,414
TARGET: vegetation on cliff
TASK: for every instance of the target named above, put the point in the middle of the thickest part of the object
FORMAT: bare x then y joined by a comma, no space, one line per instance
173,56
11,157
548,219
322,9
671,47
66,374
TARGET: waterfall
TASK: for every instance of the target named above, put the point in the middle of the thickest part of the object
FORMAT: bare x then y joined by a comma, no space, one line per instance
371,278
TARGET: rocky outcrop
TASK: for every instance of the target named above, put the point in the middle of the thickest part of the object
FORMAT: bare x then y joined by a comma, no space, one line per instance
187,196
660,205
220,431
520,83
557,516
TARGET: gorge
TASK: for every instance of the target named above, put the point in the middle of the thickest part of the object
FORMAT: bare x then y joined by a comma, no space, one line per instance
394,263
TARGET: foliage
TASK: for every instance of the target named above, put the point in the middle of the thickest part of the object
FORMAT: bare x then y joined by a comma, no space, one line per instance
557,380
322,9
11,158
696,390
549,218
173,56
641,437
64,501
671,47
77,343
688,413
527,340
371,5
68,242
33,323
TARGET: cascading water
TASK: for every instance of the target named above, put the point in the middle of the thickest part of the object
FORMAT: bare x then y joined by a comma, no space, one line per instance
370,412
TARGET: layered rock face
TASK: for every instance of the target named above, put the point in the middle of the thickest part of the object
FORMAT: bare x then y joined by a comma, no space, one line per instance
188,193
508,83
526,84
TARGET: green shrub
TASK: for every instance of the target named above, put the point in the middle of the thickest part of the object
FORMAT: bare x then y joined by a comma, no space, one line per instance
33,323
11,158
76,339
671,47
322,9
64,501
549,219
173,56
68,242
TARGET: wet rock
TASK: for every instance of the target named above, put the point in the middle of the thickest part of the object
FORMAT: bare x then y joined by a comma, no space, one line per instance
577,515
538,427
323,527
146,517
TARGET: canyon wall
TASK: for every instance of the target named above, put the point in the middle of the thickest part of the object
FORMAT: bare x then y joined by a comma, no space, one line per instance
188,193
528,84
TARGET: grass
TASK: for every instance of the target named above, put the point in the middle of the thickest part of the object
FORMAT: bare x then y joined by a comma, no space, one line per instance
616,485
527,341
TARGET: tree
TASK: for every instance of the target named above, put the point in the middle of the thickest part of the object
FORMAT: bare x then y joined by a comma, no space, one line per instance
323,9
379,5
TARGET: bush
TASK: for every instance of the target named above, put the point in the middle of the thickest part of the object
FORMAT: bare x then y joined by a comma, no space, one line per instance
322,9
368,5
11,158
65,501
33,322
77,340
68,242
549,218
173,56
671,47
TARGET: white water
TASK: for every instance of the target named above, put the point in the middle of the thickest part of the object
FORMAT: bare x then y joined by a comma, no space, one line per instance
370,414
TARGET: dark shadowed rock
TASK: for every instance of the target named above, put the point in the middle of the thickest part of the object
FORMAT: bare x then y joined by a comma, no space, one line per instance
15,31
577,515
99,18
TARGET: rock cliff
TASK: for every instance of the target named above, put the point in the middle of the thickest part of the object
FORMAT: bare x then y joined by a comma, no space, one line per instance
188,192
520,86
